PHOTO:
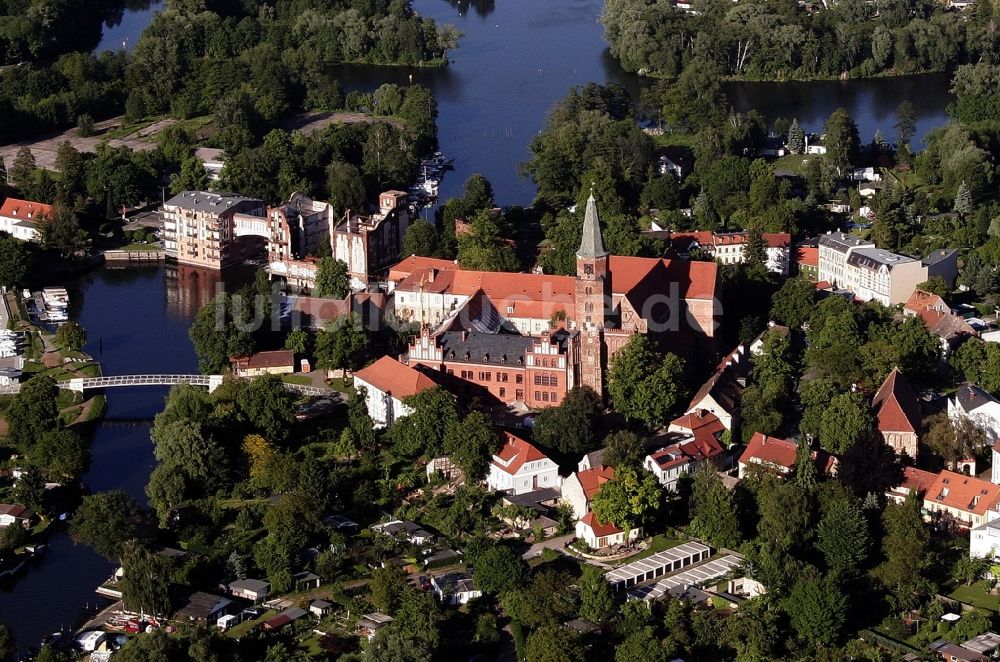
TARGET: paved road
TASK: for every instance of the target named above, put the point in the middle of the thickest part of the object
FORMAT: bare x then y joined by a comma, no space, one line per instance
556,543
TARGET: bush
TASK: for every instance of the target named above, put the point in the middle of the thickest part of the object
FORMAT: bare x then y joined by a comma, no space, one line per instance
85,125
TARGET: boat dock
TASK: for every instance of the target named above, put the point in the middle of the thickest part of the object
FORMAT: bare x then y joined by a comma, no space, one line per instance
134,256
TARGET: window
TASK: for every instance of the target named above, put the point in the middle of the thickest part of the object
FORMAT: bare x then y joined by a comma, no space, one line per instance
545,396
503,392
485,376
538,395
519,379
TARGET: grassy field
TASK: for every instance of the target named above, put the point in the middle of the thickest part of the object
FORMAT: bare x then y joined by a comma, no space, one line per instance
977,595
136,247
301,380
674,139
658,544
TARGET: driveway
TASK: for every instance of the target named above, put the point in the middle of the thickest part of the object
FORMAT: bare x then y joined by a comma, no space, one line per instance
556,543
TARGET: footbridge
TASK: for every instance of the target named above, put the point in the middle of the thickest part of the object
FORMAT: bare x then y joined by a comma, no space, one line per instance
212,382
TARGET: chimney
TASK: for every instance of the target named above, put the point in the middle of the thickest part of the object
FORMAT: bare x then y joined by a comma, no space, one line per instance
431,274
465,335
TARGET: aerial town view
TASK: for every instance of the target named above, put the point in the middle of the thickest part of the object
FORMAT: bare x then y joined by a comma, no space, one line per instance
499,330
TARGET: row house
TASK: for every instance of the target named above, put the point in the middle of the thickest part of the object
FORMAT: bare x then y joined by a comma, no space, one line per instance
23,219
511,368
519,467
875,274
200,229
370,244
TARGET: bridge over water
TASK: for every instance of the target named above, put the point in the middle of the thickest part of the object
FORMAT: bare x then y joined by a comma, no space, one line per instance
212,382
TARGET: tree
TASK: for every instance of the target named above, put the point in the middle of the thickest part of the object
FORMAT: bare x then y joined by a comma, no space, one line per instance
183,447
62,232
218,332
72,336
846,419
628,498
870,466
906,121
796,142
805,466
963,199
548,599
8,647
644,384
969,359
389,645
332,281
499,570
432,413
755,254
842,142
342,344
192,176
554,643
470,443
786,516
484,248
387,586
641,645
63,453
569,428
145,581
13,262
32,412
84,125
904,553
420,239
955,438
817,610
106,520
268,406
298,341
22,171
936,285
715,517
29,491
596,600
793,303
72,175
815,397
843,534
623,447
345,188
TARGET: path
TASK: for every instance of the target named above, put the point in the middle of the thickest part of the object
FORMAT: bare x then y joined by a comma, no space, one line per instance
307,123
556,543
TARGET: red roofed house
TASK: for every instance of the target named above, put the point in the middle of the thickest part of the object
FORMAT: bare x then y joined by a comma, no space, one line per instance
671,462
22,218
519,467
807,261
386,383
721,393
915,481
14,514
897,412
279,362
779,455
598,535
579,489
962,500
939,320
703,422
405,268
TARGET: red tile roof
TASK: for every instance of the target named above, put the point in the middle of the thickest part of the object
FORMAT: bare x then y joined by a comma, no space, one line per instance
696,280
600,529
390,376
280,358
823,285
917,480
702,421
515,453
780,452
807,255
415,263
12,509
24,210
592,479
964,493
921,300
897,409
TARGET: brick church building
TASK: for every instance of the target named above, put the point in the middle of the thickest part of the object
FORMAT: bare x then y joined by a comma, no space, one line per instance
489,327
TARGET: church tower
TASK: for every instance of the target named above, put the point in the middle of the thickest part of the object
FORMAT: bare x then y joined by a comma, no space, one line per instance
593,298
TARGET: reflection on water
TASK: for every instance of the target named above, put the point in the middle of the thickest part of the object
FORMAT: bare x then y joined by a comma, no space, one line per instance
123,27
482,8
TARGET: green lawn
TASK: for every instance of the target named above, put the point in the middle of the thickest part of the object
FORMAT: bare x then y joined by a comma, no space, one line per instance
795,162
137,247
977,595
245,626
674,139
301,380
658,544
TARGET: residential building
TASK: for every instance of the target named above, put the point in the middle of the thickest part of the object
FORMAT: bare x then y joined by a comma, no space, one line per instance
372,623
778,455
507,367
592,460
897,413
939,319
386,383
961,500
949,652
519,467
915,481
807,262
11,513
984,540
407,267
320,608
598,535
295,231
369,245
729,248
455,588
23,219
204,608
254,590
277,362
199,228
696,423
875,274
580,488
684,457
721,393
283,620
974,403
411,532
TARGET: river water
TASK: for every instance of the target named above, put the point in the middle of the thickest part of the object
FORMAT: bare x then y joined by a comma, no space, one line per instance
517,58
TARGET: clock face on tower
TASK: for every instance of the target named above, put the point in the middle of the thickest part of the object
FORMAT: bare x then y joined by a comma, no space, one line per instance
588,269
